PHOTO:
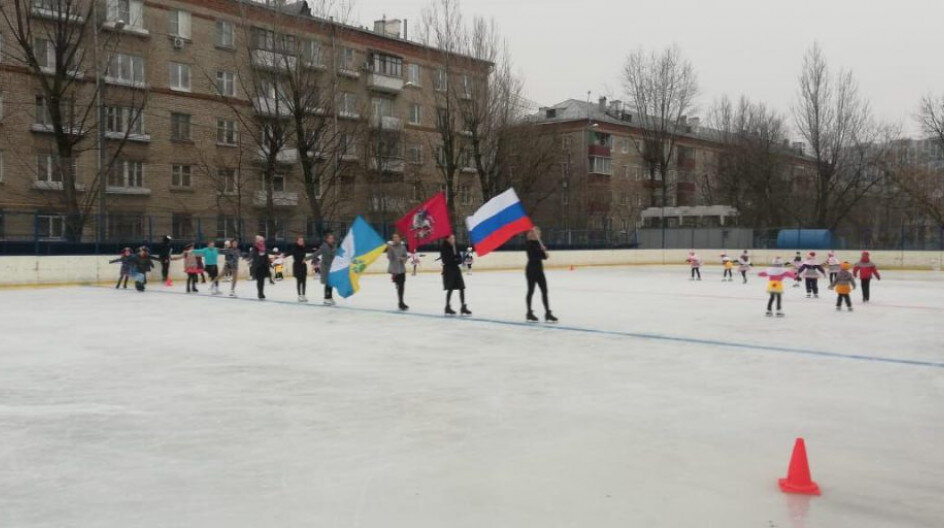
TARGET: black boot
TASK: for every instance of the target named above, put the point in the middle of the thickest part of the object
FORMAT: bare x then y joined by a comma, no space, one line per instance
549,317
449,310
531,317
465,310
403,307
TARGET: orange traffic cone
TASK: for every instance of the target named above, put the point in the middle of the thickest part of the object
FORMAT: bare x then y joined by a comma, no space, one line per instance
168,282
798,476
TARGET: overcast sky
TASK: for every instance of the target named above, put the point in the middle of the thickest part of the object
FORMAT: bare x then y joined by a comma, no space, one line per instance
751,47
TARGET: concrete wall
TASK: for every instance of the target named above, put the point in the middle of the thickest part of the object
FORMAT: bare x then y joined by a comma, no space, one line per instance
35,271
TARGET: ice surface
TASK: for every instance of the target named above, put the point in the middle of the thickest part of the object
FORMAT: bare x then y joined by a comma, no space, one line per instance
121,409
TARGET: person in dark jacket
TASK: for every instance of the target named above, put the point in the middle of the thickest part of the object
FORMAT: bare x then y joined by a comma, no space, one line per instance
326,252
259,267
164,250
125,271
451,259
299,254
534,273
397,255
140,265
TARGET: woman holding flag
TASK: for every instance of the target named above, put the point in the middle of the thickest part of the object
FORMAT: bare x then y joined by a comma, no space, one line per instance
326,252
452,275
534,273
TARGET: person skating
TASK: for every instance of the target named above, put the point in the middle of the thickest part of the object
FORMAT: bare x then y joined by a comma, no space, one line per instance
844,284
397,255
797,262
414,261
231,256
811,272
832,266
695,262
534,274
201,269
164,251
728,266
259,267
140,264
299,254
125,272
278,265
451,259
210,256
744,265
190,267
775,276
326,253
865,269
468,258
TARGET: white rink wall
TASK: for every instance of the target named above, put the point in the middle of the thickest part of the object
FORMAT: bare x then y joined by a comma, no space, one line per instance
52,270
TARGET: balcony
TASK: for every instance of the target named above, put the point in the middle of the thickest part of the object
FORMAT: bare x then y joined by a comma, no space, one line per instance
602,151
387,123
271,107
53,11
47,128
42,185
393,165
384,83
284,156
130,191
279,199
271,60
124,27
350,73
139,138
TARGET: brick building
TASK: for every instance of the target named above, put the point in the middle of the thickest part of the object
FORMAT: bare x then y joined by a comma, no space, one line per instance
197,130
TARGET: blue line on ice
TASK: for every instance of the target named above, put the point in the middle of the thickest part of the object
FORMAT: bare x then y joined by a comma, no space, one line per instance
616,333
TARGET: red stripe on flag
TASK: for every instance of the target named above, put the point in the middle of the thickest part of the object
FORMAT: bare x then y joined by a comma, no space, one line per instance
502,235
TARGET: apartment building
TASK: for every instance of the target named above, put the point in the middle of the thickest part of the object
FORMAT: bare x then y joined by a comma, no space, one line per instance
200,133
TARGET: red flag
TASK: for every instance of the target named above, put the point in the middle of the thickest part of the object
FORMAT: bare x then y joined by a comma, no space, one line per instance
427,222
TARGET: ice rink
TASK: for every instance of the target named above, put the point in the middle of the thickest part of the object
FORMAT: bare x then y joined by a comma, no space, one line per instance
655,402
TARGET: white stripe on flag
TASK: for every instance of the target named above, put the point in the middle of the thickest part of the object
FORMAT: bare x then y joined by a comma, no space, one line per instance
492,208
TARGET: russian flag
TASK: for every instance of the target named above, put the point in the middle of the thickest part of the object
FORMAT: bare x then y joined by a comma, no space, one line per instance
497,221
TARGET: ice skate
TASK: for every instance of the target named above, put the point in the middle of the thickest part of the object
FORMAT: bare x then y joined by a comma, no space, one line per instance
403,307
816,296
549,317
779,313
450,311
302,298
261,297
329,302
232,294
809,295
530,317
850,308
769,313
464,310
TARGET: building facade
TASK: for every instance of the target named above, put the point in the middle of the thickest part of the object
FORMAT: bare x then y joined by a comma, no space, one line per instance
198,128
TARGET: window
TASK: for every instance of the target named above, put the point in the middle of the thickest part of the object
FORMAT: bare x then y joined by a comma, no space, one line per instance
278,181
178,23
268,40
414,114
226,132
229,183
179,77
346,59
442,119
386,65
225,34
179,127
124,226
226,83
128,12
600,165
181,226
381,107
347,104
441,80
415,153
126,174
180,176
66,112
311,52
50,169
125,69
227,227
440,156
124,120
466,86
50,227
45,53
413,74
348,145
624,146
465,194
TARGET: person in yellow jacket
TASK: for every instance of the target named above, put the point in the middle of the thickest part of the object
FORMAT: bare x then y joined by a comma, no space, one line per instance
844,284
728,265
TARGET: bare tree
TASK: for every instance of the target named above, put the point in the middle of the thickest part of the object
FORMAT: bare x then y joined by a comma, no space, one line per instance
662,87
59,43
931,118
836,122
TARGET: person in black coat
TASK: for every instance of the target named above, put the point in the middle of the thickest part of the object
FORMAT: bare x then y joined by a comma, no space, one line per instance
451,259
164,250
299,254
534,273
259,267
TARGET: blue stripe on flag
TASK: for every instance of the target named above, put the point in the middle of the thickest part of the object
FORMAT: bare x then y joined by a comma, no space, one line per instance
504,217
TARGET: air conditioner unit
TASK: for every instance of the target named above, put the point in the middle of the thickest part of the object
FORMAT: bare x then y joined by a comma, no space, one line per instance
178,43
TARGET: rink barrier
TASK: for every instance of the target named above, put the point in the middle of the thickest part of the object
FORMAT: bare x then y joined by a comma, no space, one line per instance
720,343
95,269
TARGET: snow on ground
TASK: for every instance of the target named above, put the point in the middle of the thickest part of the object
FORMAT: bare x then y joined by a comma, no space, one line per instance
656,402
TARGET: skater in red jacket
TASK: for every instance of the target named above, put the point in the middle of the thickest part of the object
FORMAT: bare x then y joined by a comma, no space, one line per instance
864,270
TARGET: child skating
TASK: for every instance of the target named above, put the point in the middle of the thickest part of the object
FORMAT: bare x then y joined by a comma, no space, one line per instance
278,264
811,272
695,262
832,266
775,277
469,259
414,262
797,262
125,273
865,269
744,265
210,256
728,266
844,284
140,264
191,267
